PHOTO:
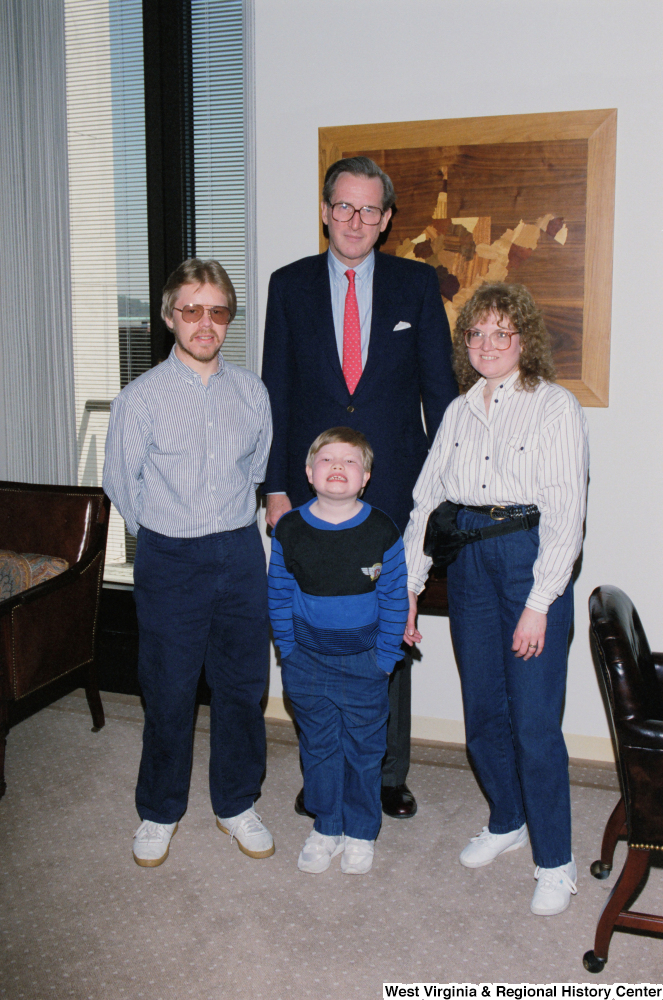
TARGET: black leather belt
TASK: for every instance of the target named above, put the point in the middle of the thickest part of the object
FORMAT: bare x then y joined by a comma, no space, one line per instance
511,512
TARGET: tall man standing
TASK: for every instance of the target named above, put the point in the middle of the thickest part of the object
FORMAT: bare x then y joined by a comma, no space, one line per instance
187,446
361,339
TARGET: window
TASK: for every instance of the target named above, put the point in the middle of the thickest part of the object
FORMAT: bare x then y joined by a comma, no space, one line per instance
110,244
108,225
219,153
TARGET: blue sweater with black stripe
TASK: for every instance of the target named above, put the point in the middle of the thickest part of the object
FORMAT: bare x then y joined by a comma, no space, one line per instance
339,588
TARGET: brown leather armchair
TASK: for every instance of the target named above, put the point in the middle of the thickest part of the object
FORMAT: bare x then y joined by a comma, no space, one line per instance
48,630
633,681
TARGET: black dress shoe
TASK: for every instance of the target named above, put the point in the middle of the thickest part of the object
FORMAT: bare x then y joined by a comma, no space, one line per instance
300,808
398,801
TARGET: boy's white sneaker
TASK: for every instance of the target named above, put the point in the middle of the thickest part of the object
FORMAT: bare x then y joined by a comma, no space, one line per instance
252,836
152,843
554,890
357,856
317,852
487,846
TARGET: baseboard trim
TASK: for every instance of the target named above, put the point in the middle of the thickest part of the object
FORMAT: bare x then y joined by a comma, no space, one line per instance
431,730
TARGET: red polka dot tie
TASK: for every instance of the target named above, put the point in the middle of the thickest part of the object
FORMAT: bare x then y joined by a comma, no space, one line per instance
351,336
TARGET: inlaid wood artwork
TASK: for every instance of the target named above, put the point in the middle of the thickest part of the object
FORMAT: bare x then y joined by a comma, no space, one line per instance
525,199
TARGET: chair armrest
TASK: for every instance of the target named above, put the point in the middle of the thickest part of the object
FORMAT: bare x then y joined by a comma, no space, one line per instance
657,660
56,583
644,734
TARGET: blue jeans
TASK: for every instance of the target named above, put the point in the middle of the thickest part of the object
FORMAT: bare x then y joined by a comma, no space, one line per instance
201,601
341,705
512,707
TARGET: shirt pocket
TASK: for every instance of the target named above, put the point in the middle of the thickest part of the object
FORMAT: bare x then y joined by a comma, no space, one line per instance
524,443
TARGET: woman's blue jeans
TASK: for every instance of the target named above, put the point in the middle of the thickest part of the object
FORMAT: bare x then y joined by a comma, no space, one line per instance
341,705
513,707
201,601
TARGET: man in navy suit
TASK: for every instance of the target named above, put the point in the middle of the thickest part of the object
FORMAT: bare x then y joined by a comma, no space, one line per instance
401,353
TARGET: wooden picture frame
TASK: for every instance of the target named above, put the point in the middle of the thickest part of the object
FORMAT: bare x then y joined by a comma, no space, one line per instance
541,182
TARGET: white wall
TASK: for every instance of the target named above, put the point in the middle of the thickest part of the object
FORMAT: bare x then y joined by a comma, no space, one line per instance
345,62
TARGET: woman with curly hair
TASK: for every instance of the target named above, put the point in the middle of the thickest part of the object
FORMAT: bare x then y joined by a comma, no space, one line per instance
511,451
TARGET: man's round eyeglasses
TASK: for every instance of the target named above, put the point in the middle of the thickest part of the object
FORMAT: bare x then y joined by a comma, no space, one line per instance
193,314
370,215
500,340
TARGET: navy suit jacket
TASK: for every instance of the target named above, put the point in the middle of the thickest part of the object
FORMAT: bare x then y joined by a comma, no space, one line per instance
404,368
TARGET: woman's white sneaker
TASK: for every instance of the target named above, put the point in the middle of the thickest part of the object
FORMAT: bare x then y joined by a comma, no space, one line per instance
487,846
152,843
357,856
318,850
554,890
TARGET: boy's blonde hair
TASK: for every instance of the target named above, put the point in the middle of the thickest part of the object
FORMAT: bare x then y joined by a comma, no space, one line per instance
342,435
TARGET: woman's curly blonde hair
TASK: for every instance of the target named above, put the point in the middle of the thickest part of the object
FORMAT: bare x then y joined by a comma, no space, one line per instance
512,302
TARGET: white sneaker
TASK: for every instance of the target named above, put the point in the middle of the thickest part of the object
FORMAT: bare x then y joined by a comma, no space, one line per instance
253,838
357,856
152,843
317,852
486,846
554,890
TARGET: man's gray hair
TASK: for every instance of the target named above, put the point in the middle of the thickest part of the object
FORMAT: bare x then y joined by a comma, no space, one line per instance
360,166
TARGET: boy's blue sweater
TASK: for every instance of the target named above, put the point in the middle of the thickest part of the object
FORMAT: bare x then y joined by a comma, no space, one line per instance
339,588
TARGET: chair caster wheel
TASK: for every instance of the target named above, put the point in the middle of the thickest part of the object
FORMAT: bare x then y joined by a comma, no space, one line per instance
96,729
592,963
600,870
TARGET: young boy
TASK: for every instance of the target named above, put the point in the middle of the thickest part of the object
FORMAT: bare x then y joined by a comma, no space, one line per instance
338,605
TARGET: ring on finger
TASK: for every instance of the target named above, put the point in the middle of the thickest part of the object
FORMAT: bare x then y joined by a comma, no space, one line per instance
532,645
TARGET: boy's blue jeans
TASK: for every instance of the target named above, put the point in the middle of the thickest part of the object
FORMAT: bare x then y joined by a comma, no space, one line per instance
201,601
341,705
512,707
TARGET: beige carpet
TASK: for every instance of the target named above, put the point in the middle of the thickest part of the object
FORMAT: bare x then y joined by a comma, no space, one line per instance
79,919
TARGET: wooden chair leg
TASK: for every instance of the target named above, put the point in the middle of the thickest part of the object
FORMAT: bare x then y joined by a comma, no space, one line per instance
94,698
4,732
614,828
633,872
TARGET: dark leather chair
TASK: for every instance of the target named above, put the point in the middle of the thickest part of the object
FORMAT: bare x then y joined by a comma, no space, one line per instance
433,599
48,630
633,680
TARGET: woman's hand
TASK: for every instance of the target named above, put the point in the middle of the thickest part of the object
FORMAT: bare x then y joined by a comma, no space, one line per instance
412,634
530,635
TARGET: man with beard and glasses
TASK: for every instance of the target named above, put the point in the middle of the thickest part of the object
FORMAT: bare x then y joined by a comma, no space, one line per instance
187,447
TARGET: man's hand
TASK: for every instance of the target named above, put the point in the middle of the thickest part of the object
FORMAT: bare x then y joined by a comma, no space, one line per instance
277,505
530,635
412,634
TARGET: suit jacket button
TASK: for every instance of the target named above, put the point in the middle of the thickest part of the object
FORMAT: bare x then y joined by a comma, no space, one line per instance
351,409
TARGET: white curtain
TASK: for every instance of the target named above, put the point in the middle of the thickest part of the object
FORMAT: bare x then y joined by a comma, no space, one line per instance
37,422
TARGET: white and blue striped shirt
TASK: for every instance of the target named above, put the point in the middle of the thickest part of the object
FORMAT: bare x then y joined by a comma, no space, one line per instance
184,459
531,448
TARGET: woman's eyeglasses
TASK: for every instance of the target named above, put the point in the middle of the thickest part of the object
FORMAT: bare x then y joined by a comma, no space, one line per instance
500,340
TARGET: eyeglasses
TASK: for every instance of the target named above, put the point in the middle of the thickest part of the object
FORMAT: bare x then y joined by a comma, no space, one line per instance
192,314
500,340
370,215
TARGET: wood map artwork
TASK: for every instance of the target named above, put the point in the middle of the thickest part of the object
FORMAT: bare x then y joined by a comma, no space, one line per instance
526,199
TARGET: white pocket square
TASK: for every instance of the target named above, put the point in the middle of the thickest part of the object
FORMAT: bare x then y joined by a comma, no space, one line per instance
402,326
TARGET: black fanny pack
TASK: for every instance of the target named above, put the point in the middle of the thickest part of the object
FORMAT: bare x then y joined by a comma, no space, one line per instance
444,539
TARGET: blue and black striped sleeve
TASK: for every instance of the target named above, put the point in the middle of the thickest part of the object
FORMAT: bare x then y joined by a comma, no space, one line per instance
393,606
280,590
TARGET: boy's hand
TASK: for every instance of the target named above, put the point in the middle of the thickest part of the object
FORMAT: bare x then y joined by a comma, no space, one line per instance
412,634
277,505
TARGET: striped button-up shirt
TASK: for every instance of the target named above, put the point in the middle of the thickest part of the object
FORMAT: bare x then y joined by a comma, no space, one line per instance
184,459
531,448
